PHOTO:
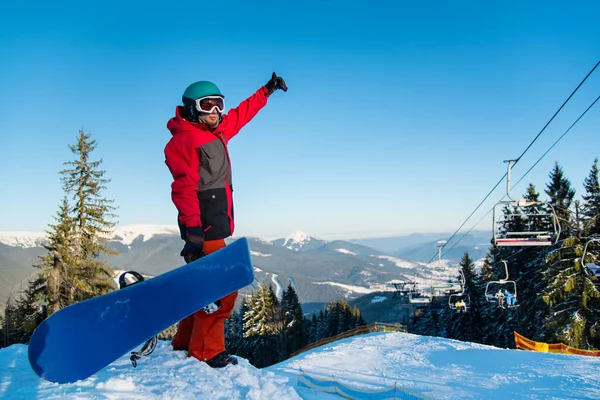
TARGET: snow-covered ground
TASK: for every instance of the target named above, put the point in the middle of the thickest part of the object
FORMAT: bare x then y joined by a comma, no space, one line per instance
433,367
349,288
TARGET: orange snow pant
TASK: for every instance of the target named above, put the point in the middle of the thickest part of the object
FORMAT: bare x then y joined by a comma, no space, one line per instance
202,334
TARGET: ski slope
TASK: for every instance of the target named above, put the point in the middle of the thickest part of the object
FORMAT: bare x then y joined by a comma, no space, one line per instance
433,367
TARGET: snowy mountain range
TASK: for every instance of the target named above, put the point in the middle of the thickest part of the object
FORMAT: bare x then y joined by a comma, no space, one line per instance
322,270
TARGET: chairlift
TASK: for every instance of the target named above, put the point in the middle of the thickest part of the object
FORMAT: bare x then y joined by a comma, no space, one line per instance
445,290
506,298
528,212
591,269
404,292
460,302
418,298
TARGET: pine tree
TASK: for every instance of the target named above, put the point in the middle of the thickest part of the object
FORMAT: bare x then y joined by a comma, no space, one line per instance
360,321
311,329
561,196
526,267
2,329
27,316
591,205
322,324
261,318
294,332
55,279
91,218
573,298
467,326
538,273
9,323
236,340
262,327
523,268
489,311
333,322
357,318
346,318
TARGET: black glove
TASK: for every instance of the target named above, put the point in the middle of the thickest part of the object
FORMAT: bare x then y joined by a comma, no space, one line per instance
275,83
194,245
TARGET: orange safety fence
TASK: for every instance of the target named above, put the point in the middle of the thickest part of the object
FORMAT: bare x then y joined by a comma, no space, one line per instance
522,342
359,330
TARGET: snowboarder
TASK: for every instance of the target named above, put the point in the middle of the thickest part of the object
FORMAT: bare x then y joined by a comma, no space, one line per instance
198,159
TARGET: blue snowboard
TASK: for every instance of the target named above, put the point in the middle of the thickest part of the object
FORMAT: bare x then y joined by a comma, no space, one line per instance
81,339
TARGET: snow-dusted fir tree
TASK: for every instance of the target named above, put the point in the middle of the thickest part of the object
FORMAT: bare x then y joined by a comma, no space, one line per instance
468,325
573,298
261,317
263,324
311,329
234,332
294,330
561,195
322,324
493,316
591,202
526,266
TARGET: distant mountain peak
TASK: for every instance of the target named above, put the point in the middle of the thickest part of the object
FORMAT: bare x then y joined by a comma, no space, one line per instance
127,234
124,234
299,240
23,239
298,237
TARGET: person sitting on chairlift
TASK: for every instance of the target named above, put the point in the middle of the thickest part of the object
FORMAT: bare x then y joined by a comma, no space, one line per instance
510,299
500,297
457,305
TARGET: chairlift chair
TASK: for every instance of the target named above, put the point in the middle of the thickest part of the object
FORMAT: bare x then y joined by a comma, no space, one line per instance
444,290
591,269
509,286
418,298
461,297
528,212
453,299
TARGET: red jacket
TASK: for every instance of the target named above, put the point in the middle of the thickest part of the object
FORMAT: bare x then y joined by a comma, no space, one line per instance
199,162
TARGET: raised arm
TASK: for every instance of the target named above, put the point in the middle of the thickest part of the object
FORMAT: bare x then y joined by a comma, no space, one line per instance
237,117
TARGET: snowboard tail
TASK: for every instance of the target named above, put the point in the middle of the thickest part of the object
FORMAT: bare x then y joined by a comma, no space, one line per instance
85,337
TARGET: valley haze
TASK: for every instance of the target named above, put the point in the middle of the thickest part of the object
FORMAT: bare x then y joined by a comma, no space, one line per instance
322,270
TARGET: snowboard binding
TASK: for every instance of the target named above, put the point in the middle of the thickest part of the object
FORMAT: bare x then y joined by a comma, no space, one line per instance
151,343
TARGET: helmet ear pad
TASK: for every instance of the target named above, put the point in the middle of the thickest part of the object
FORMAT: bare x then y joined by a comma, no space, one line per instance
190,113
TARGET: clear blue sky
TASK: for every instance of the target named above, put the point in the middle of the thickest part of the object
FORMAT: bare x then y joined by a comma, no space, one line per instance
397,120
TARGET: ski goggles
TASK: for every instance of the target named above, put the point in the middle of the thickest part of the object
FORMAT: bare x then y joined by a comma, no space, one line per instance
208,103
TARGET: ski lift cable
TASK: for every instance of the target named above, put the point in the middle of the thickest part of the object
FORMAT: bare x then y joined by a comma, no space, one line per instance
558,140
470,215
522,154
557,111
525,174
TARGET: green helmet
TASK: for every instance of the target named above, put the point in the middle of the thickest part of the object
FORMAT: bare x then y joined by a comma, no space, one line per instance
199,89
